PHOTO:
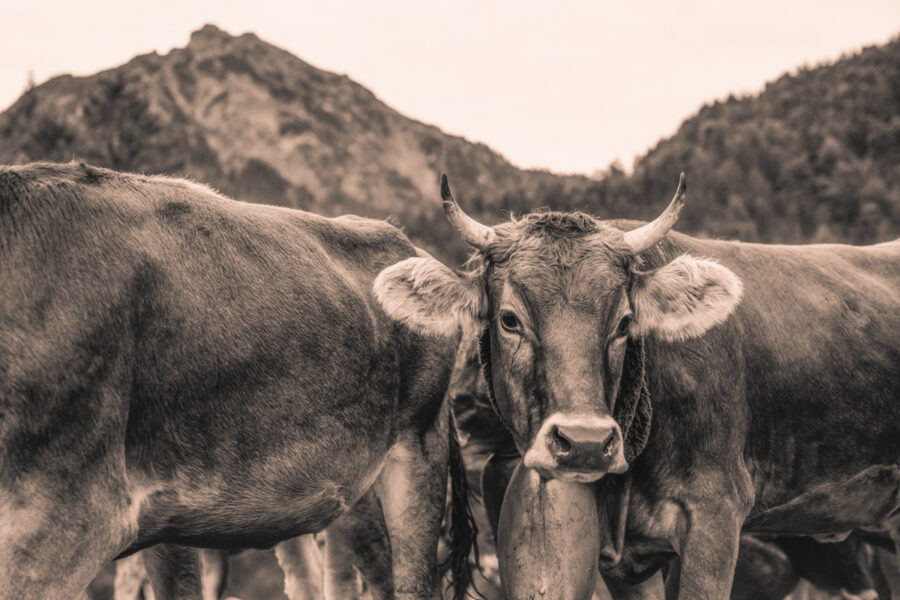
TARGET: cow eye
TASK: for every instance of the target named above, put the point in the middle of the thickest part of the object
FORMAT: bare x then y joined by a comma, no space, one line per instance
622,329
510,322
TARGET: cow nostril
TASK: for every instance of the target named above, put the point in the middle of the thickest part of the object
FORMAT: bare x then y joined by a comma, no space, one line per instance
608,445
561,444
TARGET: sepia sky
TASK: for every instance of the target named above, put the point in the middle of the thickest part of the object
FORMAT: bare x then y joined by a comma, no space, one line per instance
567,85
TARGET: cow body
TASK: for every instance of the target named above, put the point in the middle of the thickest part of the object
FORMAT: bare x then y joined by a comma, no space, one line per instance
178,367
784,419
746,386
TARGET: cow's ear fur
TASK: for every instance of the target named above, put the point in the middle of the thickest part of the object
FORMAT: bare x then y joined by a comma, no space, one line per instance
428,297
684,298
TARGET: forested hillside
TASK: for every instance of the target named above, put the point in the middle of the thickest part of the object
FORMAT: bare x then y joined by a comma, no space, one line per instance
814,157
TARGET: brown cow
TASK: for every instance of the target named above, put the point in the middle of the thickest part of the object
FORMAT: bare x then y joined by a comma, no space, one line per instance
766,569
181,368
739,385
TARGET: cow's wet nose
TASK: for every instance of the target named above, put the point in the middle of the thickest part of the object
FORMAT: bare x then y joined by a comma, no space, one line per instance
577,447
576,440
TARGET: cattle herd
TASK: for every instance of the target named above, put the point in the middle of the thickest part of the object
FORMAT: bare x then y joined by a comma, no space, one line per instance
660,415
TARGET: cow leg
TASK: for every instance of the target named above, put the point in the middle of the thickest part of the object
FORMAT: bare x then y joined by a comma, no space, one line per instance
341,577
301,561
672,578
373,563
173,571
764,571
708,550
884,567
894,530
358,542
214,565
131,577
412,489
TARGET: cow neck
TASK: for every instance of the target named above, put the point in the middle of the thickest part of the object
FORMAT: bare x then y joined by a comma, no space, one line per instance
633,410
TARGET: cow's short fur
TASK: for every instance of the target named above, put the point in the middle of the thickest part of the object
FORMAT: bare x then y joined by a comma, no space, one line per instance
773,373
179,367
766,568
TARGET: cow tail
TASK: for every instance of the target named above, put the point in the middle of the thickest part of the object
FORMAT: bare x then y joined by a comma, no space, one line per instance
463,530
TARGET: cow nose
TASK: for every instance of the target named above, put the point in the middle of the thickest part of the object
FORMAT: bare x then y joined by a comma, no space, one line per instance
566,440
577,447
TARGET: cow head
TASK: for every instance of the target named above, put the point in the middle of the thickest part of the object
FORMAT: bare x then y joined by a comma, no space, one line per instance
557,295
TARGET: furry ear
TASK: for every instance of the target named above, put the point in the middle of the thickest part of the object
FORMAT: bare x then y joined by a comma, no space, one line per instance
428,297
684,298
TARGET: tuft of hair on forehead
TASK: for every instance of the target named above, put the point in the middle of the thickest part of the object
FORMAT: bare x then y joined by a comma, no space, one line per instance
557,224
554,238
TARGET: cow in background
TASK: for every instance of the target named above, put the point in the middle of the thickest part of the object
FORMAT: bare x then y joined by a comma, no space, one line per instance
699,386
181,368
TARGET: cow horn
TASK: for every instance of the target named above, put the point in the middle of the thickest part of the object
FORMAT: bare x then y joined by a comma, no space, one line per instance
645,236
469,229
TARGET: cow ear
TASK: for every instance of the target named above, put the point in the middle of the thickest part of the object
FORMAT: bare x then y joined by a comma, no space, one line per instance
428,297
684,298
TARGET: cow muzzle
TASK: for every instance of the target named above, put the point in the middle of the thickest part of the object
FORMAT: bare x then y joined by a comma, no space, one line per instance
578,448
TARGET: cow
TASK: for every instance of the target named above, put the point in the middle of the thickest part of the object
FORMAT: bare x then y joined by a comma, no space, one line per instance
700,387
182,369
767,569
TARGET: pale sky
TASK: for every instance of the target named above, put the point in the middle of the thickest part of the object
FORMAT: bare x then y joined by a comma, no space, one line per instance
564,85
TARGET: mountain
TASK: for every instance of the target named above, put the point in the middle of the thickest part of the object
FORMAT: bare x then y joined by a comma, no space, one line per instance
261,125
813,157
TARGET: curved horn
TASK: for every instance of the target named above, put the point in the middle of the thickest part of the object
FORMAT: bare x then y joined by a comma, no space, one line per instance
469,229
645,236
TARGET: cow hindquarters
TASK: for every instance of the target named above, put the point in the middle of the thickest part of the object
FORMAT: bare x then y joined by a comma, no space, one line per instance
412,489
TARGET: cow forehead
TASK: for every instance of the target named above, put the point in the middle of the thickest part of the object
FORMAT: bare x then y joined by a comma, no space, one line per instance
581,270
